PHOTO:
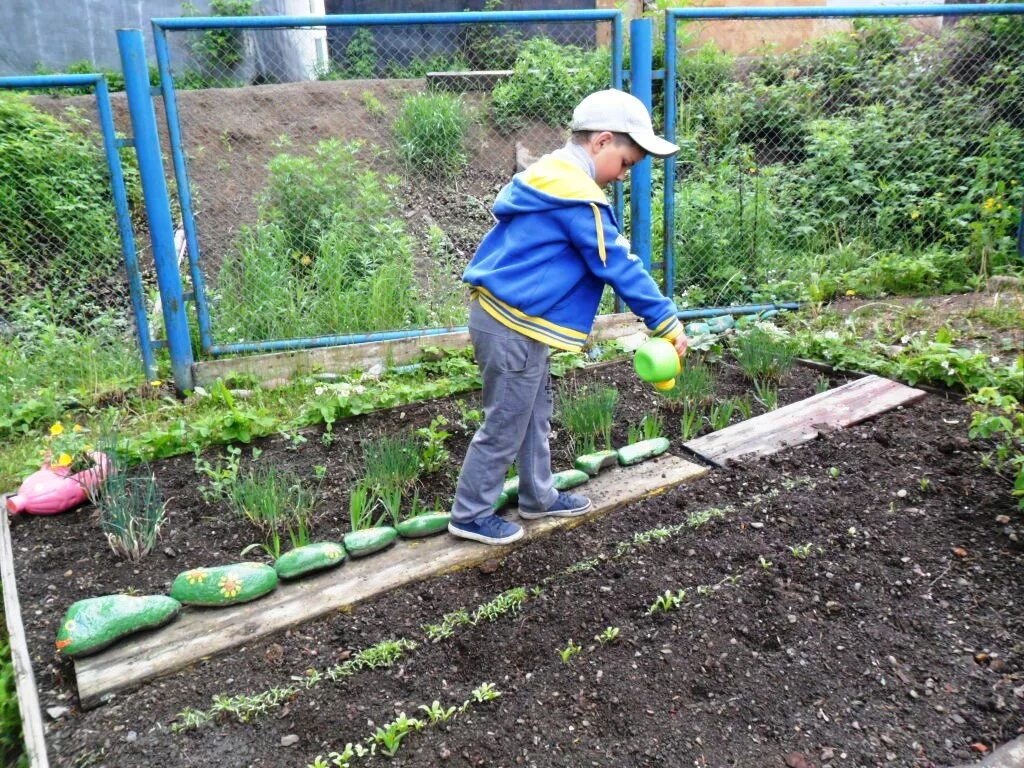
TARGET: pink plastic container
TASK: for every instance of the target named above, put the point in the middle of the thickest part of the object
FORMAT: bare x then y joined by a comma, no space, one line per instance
55,489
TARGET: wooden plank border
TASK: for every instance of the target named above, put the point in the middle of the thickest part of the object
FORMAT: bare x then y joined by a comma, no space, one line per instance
277,368
200,633
28,695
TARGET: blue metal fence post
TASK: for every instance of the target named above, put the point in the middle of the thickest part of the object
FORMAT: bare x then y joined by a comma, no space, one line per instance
124,225
668,229
640,76
158,206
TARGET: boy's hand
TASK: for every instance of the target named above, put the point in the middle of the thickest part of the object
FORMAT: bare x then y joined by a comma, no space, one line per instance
681,343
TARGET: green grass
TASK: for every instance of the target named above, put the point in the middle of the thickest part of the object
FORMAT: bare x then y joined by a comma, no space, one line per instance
587,414
431,132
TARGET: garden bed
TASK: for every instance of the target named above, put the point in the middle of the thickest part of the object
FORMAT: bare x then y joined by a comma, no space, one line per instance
881,642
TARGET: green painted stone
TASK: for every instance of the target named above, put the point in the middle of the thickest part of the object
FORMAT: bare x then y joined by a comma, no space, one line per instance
744,320
312,557
511,488
570,478
424,525
501,501
592,463
697,329
768,314
224,584
96,622
369,540
645,449
722,323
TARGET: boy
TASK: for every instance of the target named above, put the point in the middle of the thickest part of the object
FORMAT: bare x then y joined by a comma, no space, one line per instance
536,281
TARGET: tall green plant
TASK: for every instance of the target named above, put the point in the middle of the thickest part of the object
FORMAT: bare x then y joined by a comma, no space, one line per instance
431,132
588,416
277,503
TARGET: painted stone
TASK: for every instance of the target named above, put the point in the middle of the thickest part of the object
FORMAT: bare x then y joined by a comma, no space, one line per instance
312,557
697,329
645,449
94,623
511,488
721,323
224,584
369,540
424,525
592,463
501,501
570,478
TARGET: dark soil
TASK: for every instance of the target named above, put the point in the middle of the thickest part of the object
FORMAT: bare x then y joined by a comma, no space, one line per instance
897,641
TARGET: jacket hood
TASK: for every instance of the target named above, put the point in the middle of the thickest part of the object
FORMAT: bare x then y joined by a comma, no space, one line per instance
550,183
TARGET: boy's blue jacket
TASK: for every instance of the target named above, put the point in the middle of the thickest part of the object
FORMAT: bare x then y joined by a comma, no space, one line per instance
542,269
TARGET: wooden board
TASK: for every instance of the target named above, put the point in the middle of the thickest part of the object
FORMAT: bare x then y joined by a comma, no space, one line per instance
279,367
25,681
802,421
200,633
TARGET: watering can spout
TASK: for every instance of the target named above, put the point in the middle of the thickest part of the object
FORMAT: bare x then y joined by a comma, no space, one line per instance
16,504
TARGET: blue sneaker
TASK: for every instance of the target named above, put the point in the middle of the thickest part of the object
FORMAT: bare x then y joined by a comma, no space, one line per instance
487,529
566,505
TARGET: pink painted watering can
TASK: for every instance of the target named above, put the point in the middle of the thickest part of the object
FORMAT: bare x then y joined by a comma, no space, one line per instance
55,489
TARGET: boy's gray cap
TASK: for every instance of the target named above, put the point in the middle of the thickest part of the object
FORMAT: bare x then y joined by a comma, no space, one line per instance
621,112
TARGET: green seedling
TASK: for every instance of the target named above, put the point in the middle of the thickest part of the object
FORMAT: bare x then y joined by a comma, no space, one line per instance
689,423
582,566
668,601
220,476
705,516
802,551
833,472
361,502
433,454
608,635
764,564
507,602
437,713
721,414
569,651
744,406
650,427
320,472
821,384
924,484
483,693
389,737
449,622
766,394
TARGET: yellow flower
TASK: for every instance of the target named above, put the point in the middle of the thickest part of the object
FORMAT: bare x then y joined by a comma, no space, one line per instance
57,429
332,552
88,447
915,215
70,626
155,383
198,576
230,585
851,292
990,204
306,261
76,428
64,460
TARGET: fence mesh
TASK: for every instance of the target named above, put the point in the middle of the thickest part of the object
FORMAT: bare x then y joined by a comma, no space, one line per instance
65,314
827,156
343,176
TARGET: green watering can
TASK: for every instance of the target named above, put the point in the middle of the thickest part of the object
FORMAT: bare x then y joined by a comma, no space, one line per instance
658,362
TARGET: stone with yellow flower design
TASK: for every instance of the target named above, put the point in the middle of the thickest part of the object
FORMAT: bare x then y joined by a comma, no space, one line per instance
92,624
224,585
310,558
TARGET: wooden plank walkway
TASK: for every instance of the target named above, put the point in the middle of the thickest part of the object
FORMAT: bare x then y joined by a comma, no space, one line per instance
802,421
201,633
25,682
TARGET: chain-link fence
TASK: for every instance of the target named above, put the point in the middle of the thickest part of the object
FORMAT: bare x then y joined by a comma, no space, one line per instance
823,156
342,176
66,319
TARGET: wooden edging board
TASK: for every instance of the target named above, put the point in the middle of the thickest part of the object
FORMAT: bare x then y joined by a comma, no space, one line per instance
279,367
799,422
200,633
24,679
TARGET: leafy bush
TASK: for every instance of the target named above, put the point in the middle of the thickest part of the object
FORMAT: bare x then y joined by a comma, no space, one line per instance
548,81
216,53
328,254
431,133
58,236
868,161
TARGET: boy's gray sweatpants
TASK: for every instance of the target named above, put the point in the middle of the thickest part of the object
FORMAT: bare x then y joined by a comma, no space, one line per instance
517,420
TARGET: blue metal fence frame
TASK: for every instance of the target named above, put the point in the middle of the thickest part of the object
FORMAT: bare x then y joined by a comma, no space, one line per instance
162,26
111,144
673,15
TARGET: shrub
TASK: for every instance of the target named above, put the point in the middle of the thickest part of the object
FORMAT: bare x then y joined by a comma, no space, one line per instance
548,81
431,133
58,237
